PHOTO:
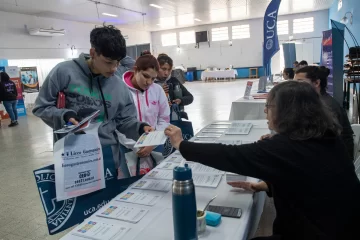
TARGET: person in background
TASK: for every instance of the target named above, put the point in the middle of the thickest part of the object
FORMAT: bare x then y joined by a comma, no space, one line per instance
288,74
150,99
8,95
89,84
317,77
175,90
303,63
305,166
295,64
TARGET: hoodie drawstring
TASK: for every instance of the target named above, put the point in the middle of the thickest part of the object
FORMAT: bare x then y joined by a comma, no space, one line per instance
138,103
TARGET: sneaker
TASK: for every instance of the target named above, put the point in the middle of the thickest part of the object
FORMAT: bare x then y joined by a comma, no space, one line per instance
16,122
12,124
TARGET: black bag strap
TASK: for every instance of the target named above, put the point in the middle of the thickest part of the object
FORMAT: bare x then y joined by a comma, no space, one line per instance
138,164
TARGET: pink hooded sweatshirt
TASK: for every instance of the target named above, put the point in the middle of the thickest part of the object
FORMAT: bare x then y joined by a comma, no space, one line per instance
151,105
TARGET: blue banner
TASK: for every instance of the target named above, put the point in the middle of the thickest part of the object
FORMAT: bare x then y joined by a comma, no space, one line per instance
271,41
61,215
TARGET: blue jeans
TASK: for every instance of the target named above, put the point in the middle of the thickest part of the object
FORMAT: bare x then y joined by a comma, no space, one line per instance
10,107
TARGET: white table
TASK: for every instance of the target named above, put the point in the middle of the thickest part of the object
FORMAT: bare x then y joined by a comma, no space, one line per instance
247,109
226,74
158,223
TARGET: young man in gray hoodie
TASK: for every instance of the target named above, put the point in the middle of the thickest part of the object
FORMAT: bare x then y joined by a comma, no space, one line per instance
91,83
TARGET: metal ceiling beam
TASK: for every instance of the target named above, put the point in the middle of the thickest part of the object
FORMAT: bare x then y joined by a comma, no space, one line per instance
116,6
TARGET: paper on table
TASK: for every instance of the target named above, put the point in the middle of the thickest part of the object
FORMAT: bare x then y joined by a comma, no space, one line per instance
174,158
160,174
98,230
199,168
155,185
123,213
151,139
208,135
168,165
232,177
230,142
139,197
238,131
218,131
206,180
205,140
221,123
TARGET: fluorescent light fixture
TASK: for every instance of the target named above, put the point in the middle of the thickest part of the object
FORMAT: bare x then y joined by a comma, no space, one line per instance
155,6
196,19
110,15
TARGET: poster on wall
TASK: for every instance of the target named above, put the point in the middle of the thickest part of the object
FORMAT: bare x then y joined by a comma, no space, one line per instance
327,58
29,79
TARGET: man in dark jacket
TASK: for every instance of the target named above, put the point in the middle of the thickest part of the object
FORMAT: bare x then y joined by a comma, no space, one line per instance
317,76
8,95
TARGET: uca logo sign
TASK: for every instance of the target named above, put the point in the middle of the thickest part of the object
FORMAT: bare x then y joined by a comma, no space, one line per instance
57,213
271,29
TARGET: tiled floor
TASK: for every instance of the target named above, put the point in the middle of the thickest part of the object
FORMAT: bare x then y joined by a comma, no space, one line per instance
29,145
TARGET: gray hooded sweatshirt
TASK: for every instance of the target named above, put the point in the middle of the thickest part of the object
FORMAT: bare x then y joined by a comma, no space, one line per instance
83,91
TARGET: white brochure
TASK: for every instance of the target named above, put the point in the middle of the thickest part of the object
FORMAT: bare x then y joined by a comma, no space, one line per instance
139,197
79,166
97,230
123,213
155,185
207,180
161,174
198,168
151,139
168,165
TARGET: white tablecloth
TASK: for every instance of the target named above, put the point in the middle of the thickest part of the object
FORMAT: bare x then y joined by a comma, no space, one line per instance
219,74
158,222
248,109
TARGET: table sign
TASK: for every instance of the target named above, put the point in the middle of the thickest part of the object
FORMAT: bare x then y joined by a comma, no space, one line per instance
248,89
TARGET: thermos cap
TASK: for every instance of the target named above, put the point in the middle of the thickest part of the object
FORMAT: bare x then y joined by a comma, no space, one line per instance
182,173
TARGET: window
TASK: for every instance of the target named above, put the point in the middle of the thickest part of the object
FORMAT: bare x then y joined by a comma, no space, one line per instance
219,34
303,25
168,39
187,37
283,27
241,31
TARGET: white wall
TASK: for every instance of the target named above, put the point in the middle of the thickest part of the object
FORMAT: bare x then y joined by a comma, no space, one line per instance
243,52
16,43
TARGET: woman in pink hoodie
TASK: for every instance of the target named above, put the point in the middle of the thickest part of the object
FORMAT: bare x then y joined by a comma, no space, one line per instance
150,99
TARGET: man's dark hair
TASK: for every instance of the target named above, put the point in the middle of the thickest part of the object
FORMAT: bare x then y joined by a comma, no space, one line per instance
296,62
163,59
290,72
109,42
315,73
299,112
303,63
4,77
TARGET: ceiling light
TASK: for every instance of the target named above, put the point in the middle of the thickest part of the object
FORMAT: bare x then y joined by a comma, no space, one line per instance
345,19
110,15
198,20
156,6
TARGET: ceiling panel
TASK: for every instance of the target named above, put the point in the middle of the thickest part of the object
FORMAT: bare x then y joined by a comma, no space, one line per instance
174,14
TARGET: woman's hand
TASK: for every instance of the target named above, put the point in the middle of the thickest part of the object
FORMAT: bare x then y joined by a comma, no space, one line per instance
265,136
145,151
250,186
175,135
148,129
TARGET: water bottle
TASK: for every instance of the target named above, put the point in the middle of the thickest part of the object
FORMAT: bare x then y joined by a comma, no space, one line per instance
184,204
